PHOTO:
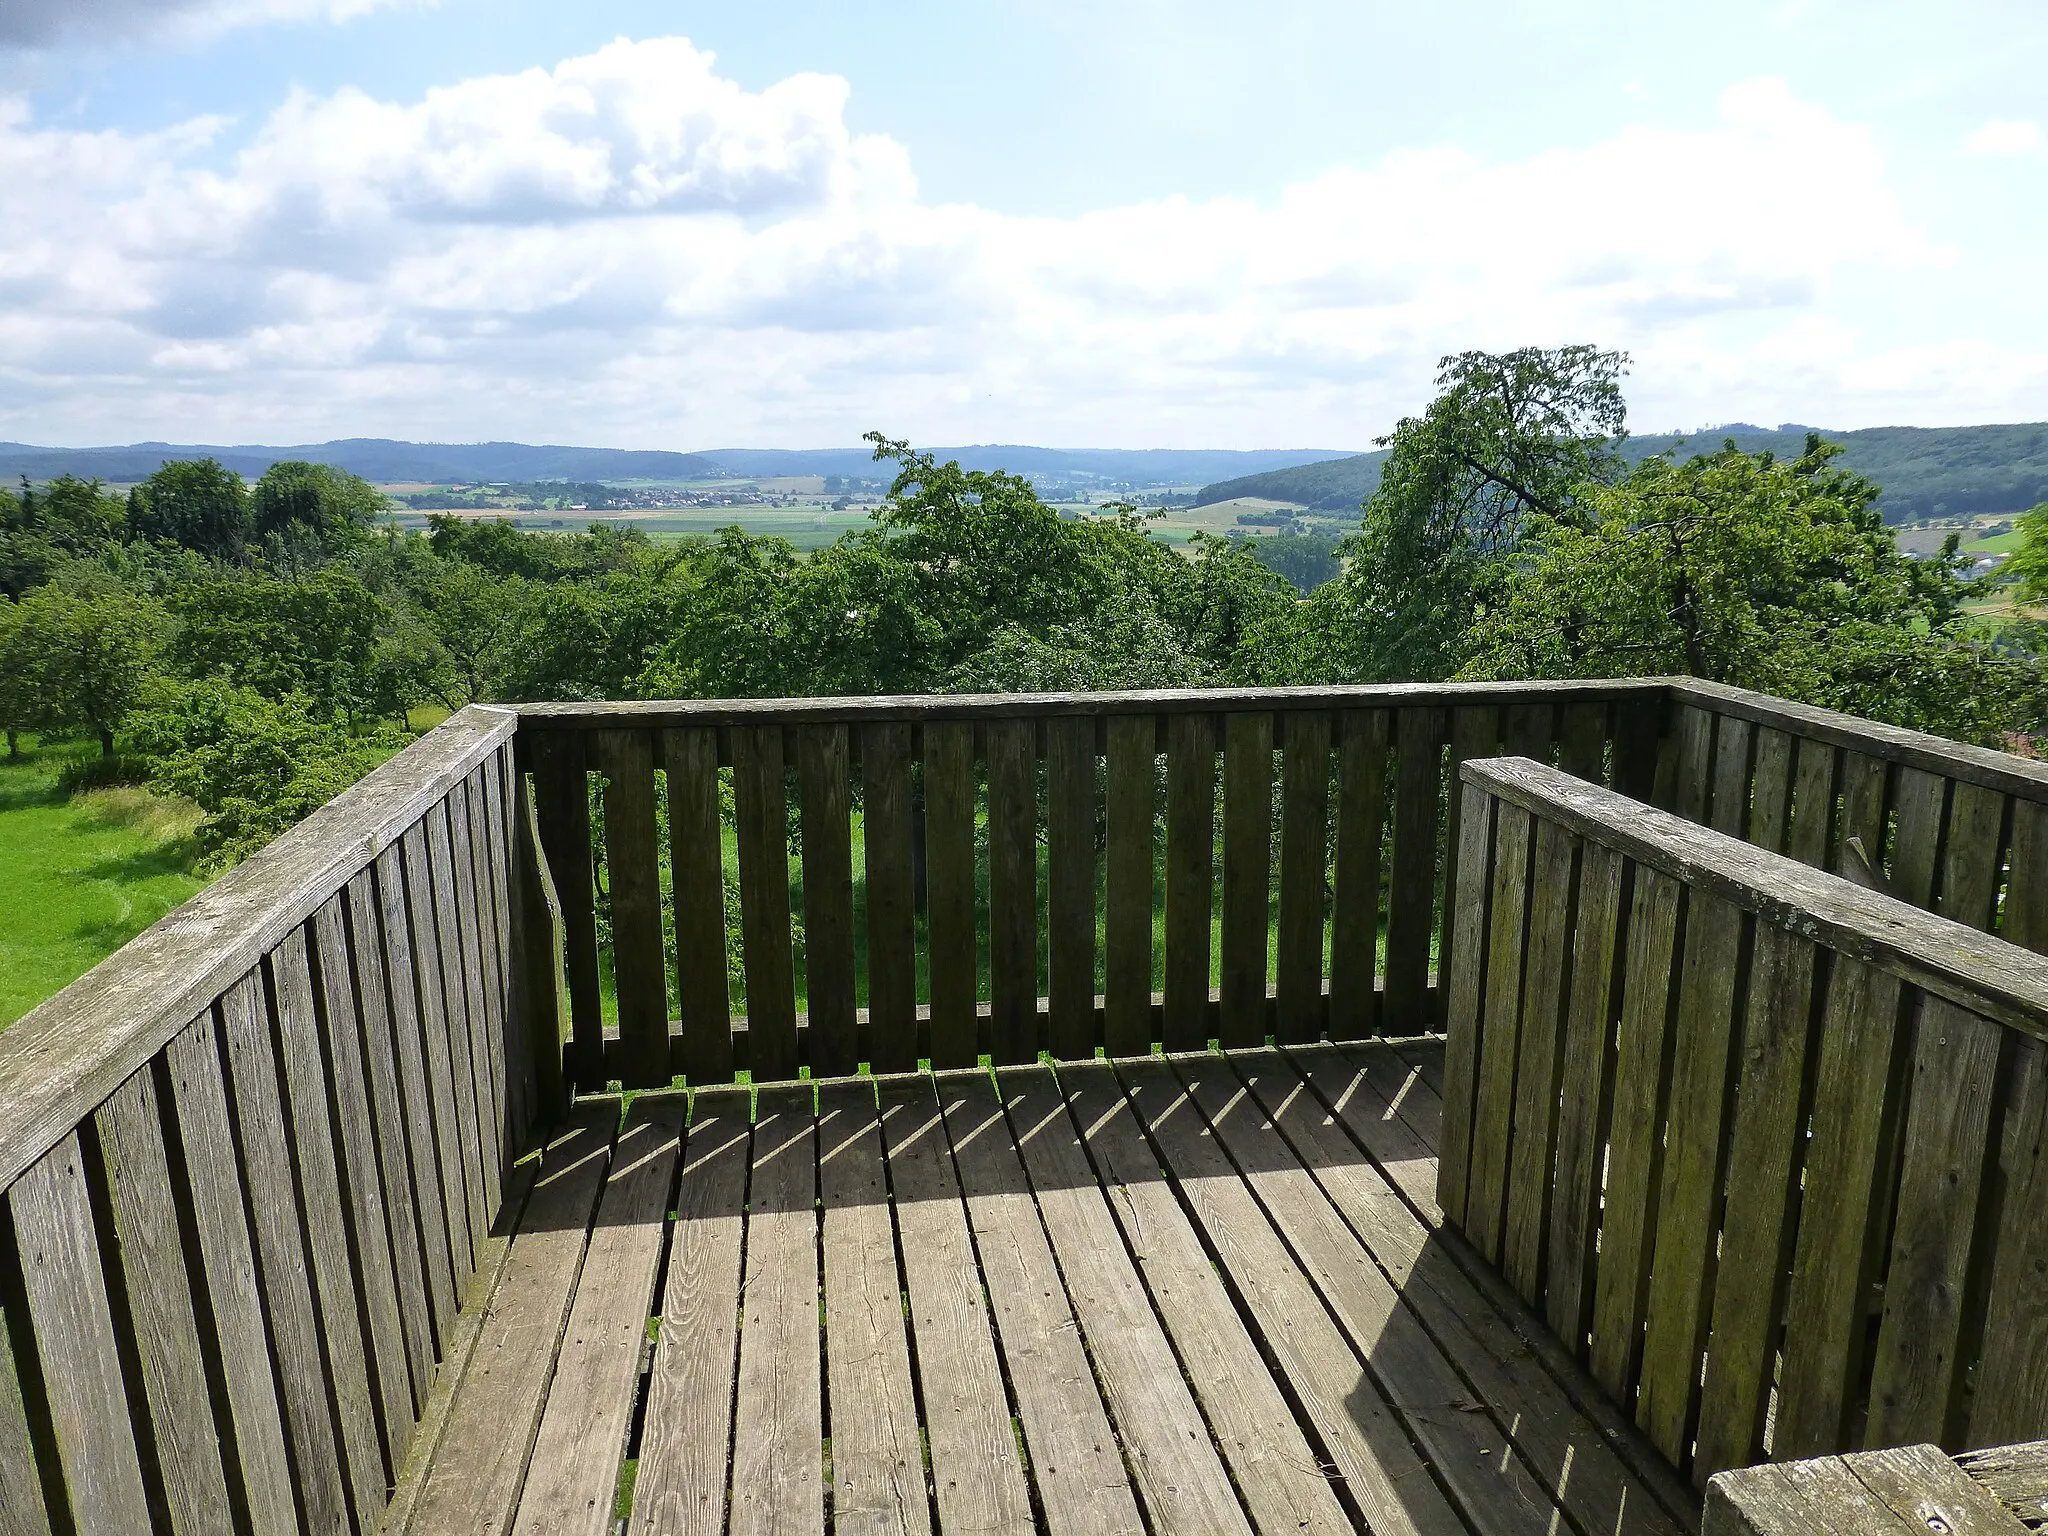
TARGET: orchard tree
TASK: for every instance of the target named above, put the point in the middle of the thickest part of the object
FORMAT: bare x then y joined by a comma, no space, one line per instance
197,503
304,513
82,660
316,637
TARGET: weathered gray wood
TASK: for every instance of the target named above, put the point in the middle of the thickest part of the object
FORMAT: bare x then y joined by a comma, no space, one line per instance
697,890
1190,878
1636,1134
683,1445
1304,865
1918,1373
159,1300
2011,1398
1176,1468
74,1325
1683,1267
949,892
1362,1434
486,1023
23,1509
1771,792
1971,863
1540,1083
234,1302
474,1482
778,1457
1070,887
539,980
430,1132
1268,1456
1929,1492
562,798
467,1029
1730,811
321,1472
1693,791
761,810
1835,1256
1859,847
1464,1009
1012,892
1946,958
1075,1468
878,1484
1355,902
1583,734
1762,1204
573,1477
1813,804
1588,1081
1529,728
833,1040
1811,1498
1128,830
1411,900
490,823
2015,1475
975,1471
1247,876
447,1082
639,974
60,1061
1920,804
891,1042
1475,732
1499,1037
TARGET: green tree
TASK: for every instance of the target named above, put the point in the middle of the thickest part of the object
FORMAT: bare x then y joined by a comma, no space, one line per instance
197,503
2028,565
82,661
469,616
41,530
305,512
317,637
1509,439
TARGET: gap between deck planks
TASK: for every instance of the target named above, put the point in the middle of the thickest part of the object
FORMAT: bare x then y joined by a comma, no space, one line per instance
1195,1293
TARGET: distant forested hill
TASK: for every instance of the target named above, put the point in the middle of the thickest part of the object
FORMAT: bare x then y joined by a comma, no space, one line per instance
1925,471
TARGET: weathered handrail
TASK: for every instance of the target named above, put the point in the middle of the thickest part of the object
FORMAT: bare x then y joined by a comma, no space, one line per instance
1729,1122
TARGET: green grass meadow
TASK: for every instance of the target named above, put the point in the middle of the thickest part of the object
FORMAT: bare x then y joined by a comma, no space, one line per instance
80,876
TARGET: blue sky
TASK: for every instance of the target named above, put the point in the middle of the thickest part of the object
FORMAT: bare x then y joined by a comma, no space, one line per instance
1112,224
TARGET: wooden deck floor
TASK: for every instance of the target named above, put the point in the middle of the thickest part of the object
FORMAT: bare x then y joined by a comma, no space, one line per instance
1194,1294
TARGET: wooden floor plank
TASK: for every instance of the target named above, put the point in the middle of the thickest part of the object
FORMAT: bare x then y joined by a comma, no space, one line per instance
1567,1452
1491,1482
878,1484
572,1485
1285,1486
1370,1446
778,1459
474,1482
1178,1472
1075,1462
976,1475
683,1444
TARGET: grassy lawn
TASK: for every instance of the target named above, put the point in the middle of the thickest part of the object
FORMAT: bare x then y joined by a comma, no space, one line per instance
82,876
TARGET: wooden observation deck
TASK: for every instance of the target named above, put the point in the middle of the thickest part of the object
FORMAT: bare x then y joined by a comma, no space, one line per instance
1582,1107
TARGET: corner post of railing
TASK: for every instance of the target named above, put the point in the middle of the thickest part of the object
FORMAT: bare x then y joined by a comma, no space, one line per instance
538,935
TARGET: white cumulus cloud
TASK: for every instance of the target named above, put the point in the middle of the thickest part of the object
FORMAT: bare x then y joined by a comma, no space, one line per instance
2008,136
630,248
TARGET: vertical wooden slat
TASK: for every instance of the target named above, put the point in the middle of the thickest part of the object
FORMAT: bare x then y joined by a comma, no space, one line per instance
639,974
1128,822
1190,851
1012,891
1693,789
1304,864
1247,875
697,887
1695,1144
1920,803
1971,865
1729,811
1638,738
1500,1024
1863,817
1834,1259
21,1480
1475,732
1917,1375
473,1090
886,834
562,799
1582,741
1464,1006
541,980
397,1142
491,840
1411,901
1640,1070
1355,903
74,1327
823,769
949,890
309,1131
1771,792
436,1159
318,1462
761,809
447,1062
1763,1190
1813,803
1070,885
233,1301
1539,1080
1529,730
485,1037
1588,1084
362,1181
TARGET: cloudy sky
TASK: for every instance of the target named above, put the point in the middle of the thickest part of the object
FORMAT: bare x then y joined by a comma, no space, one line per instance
1111,223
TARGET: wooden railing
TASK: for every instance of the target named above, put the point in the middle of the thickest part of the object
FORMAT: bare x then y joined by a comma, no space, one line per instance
1765,1147
250,1164
1330,809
